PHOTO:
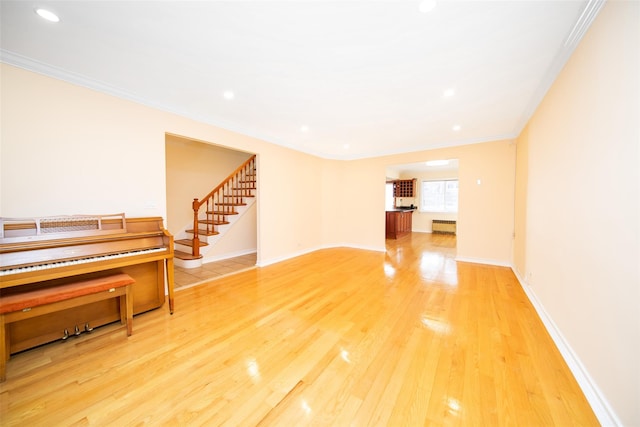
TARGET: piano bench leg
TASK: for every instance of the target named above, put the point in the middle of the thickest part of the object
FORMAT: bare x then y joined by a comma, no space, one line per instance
126,309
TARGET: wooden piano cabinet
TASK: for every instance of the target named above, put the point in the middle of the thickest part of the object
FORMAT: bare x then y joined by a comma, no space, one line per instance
148,294
143,249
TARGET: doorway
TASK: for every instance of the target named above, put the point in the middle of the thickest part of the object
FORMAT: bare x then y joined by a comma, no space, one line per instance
193,168
435,196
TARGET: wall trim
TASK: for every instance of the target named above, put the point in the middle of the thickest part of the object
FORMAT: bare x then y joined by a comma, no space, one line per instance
601,407
483,261
264,263
364,248
229,255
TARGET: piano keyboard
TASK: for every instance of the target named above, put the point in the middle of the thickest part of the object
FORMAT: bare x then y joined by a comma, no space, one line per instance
79,261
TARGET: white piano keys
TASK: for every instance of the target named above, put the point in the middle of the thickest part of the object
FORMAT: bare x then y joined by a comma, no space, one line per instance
59,264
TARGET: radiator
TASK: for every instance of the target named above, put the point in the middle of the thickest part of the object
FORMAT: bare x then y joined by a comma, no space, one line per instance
443,226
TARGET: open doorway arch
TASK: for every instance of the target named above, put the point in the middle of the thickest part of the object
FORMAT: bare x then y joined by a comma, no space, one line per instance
422,172
193,169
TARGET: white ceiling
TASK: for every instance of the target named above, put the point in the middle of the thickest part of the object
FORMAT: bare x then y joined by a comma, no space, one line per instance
370,74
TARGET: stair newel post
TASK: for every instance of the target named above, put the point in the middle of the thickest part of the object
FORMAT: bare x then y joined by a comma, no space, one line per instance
196,237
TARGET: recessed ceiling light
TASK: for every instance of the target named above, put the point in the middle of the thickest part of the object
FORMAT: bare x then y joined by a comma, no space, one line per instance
345,146
427,6
304,128
228,95
449,93
437,162
456,127
48,15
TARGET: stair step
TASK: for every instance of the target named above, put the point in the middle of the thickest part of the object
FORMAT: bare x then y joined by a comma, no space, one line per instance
202,232
253,181
189,242
185,255
245,188
213,222
239,196
230,204
221,213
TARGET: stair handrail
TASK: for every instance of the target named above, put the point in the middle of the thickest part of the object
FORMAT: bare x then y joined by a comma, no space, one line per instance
197,204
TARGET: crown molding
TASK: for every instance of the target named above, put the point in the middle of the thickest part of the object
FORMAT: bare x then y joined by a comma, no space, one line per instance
586,18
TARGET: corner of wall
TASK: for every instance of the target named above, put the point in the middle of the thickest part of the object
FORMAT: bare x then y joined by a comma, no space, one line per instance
601,407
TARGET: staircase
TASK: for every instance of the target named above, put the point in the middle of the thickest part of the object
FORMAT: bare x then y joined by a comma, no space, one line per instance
214,214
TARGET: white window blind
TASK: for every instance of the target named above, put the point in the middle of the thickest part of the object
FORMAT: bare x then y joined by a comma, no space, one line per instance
439,196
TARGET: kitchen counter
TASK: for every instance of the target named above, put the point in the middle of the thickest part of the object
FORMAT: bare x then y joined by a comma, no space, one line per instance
402,209
398,222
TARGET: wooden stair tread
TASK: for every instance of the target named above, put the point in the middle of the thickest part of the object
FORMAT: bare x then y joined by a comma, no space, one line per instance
189,242
213,222
222,213
185,256
230,204
202,232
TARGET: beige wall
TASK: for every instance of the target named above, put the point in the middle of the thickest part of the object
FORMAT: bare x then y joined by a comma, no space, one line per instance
520,210
578,220
67,150
485,217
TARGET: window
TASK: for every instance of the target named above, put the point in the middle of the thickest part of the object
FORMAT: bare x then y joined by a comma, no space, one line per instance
439,196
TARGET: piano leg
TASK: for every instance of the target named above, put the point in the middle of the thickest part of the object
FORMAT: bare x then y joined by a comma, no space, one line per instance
4,349
170,283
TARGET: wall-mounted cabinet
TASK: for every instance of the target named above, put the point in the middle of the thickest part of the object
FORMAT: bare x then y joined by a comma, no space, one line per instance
404,188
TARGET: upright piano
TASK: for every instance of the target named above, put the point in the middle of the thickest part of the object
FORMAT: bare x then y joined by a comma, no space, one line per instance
51,251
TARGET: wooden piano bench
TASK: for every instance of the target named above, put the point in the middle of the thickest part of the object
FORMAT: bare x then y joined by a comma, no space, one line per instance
37,302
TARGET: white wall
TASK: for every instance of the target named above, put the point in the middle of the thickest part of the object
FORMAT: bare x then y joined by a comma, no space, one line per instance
578,214
239,239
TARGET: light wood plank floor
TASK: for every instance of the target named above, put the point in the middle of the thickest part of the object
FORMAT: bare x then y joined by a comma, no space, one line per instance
337,337
186,277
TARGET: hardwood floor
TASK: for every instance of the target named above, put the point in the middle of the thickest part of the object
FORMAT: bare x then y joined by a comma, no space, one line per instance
336,337
186,277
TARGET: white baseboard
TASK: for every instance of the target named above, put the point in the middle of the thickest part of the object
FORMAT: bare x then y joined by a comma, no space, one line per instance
264,263
483,261
229,255
365,248
601,407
